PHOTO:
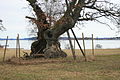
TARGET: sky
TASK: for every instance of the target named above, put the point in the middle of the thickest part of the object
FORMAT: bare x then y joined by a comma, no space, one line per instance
13,13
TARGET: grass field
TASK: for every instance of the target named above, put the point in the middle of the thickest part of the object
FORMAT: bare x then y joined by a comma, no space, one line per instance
105,67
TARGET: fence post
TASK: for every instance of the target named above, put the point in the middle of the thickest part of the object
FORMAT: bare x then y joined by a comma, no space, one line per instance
93,52
5,49
17,47
74,43
83,43
18,43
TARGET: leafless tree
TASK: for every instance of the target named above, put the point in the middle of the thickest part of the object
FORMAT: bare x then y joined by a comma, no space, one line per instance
53,23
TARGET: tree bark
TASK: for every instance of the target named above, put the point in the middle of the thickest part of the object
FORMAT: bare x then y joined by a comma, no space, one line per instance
47,42
51,36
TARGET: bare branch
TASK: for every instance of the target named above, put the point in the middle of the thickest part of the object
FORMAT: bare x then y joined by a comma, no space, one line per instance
94,1
38,11
78,9
0,20
104,24
38,23
86,19
89,1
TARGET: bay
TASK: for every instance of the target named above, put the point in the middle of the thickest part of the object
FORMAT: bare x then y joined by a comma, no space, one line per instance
105,44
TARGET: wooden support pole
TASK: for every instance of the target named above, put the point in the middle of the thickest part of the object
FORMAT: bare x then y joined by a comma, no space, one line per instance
17,47
83,43
73,51
5,49
79,44
74,43
93,46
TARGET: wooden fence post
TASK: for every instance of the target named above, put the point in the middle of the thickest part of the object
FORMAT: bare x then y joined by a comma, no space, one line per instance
73,51
93,52
83,43
17,47
5,49
18,43
74,43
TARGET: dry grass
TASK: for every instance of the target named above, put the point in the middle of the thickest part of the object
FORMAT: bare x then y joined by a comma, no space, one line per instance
105,67
97,51
10,53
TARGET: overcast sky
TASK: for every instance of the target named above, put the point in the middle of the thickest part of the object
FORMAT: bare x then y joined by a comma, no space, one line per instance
13,13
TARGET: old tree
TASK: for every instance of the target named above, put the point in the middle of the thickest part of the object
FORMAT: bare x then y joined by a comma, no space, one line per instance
73,11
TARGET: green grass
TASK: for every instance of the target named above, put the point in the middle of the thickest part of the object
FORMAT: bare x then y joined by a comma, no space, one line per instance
105,67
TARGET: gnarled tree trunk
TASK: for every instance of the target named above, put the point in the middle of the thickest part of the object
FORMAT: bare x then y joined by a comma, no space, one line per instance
76,10
47,42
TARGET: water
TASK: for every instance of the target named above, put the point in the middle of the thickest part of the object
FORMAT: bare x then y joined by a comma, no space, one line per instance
88,44
65,43
25,44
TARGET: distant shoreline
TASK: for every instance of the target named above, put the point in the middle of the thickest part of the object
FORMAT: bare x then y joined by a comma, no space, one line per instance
65,38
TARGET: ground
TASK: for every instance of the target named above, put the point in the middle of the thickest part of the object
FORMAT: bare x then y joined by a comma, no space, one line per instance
105,67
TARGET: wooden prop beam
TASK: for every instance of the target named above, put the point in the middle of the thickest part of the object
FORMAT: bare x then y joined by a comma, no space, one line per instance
17,47
73,51
93,51
83,43
79,45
